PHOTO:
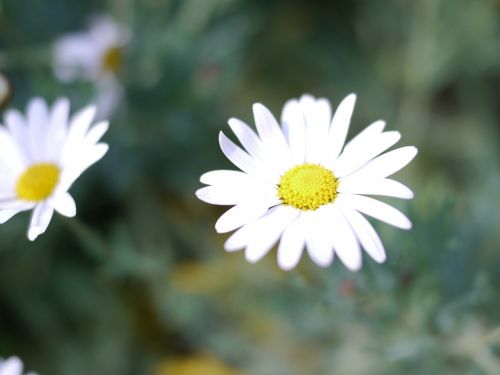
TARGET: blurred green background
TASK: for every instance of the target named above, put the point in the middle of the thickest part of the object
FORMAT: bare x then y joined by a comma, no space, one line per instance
139,282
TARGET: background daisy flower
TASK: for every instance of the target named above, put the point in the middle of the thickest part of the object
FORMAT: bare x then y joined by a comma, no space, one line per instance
41,155
94,55
12,366
91,54
300,185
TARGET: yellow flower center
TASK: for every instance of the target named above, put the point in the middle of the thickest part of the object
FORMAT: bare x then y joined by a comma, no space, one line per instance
112,60
38,182
307,187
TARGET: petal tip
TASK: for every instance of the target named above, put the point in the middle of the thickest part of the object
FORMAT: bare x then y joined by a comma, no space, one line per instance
199,194
354,267
380,259
33,233
286,267
350,99
251,259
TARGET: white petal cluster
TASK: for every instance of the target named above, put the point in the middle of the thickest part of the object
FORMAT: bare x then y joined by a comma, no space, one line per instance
80,55
308,134
46,136
12,366
84,55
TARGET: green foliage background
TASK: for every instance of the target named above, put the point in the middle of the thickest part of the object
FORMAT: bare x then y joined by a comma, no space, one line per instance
140,277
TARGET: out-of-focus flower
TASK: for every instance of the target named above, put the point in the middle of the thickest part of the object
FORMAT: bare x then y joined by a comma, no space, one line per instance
94,55
41,155
198,365
5,90
12,366
91,54
300,185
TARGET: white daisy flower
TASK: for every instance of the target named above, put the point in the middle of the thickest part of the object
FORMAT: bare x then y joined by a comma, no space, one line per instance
41,155
94,55
91,54
12,366
300,185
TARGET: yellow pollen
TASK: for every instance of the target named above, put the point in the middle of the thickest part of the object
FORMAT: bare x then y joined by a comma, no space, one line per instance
307,187
112,60
38,182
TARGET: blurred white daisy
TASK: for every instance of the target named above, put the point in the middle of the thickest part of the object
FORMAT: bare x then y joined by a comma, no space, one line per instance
91,54
94,55
41,155
12,366
300,185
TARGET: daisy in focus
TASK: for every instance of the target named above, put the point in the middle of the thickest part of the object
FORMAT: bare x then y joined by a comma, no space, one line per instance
300,185
94,55
12,366
41,155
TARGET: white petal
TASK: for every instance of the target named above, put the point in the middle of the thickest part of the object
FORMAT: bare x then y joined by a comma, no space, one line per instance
59,116
344,241
240,158
11,155
248,233
106,32
359,155
317,114
270,133
93,155
75,55
7,213
239,215
18,128
247,137
338,129
291,245
79,125
293,122
377,209
64,204
371,186
224,176
79,162
234,186
96,132
231,195
365,233
369,132
75,164
267,126
320,251
58,128
11,366
388,163
11,201
218,195
267,231
264,153
38,125
242,237
40,220
318,244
